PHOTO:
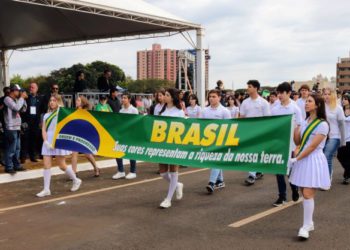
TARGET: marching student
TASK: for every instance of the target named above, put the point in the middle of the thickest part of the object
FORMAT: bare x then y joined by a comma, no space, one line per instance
169,172
232,106
309,167
193,110
82,103
286,106
273,99
336,121
344,152
48,130
254,106
304,92
160,101
127,108
215,110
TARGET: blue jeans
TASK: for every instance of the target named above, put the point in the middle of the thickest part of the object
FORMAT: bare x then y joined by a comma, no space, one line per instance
282,186
329,150
12,149
121,166
216,175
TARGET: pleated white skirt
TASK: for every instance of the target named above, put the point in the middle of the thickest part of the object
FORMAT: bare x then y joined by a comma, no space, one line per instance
311,172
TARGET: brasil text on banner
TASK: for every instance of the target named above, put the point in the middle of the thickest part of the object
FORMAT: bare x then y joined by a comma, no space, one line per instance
250,144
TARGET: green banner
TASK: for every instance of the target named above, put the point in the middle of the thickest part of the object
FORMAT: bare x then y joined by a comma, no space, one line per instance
250,144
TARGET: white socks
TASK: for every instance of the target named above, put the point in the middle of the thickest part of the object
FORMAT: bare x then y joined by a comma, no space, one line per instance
70,173
173,184
171,177
165,176
308,205
47,179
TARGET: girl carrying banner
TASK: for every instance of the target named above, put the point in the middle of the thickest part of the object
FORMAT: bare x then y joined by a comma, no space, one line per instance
172,107
160,101
232,106
82,103
310,168
193,110
48,129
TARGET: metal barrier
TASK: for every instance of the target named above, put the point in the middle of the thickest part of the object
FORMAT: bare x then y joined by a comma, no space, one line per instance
68,100
93,97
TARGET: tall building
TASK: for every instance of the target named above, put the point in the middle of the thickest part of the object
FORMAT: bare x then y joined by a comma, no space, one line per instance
157,63
173,65
343,74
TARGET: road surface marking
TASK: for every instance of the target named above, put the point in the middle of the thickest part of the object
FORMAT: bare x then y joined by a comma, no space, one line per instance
261,215
92,192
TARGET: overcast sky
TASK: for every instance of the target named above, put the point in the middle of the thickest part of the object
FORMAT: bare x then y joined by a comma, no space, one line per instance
268,40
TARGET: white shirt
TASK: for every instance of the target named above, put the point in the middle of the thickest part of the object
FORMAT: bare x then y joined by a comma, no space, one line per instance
220,112
301,104
130,110
173,112
290,109
333,117
255,107
272,105
158,108
193,112
234,111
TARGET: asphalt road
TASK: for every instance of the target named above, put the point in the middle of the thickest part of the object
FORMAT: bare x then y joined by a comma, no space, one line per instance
109,214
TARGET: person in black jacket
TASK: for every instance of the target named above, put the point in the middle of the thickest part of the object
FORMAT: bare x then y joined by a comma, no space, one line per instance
80,82
31,132
104,82
113,100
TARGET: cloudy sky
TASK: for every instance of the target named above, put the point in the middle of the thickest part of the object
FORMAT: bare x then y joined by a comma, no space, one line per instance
268,40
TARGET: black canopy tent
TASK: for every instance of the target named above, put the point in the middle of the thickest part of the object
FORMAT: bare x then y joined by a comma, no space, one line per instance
36,24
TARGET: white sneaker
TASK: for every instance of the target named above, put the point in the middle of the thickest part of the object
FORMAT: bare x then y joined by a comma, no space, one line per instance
118,175
304,231
43,193
179,191
130,176
76,185
165,204
309,227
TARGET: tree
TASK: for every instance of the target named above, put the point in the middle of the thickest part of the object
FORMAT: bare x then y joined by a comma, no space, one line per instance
65,77
42,81
96,68
149,85
17,79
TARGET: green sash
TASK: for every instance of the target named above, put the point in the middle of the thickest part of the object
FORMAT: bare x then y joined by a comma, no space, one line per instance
308,131
49,119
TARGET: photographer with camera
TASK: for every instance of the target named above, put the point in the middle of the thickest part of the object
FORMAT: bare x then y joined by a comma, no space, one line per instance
14,103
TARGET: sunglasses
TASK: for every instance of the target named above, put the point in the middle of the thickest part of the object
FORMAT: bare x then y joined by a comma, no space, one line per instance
55,88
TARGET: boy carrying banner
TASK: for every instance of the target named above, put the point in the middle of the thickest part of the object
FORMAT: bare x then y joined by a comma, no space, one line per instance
286,107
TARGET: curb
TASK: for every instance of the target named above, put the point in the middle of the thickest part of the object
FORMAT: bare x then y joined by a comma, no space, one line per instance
38,173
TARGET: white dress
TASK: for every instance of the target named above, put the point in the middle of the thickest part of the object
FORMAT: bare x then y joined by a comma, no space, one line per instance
50,130
312,171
